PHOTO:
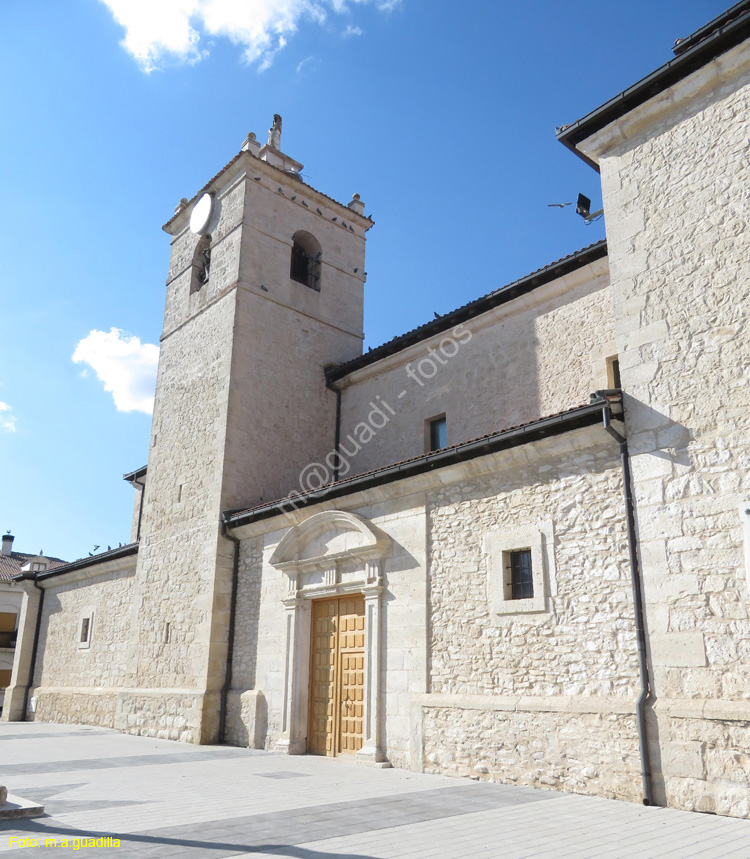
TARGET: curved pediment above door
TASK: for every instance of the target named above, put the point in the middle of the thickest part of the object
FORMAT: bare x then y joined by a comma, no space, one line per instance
326,539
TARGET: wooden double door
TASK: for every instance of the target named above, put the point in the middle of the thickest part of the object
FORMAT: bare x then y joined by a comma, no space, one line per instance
337,676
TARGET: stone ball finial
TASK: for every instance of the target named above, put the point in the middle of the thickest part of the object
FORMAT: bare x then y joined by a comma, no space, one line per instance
356,205
251,135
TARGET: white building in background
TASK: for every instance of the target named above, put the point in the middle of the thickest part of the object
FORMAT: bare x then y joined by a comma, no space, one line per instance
13,564
512,544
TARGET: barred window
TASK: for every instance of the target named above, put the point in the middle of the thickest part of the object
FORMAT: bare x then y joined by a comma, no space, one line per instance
306,260
521,569
521,579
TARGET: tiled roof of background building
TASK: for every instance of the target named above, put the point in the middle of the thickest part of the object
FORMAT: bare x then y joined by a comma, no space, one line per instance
10,565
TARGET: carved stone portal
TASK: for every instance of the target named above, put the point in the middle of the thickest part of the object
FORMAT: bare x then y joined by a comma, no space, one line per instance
328,555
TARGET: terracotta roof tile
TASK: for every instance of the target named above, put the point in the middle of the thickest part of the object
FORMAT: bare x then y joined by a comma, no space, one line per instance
10,565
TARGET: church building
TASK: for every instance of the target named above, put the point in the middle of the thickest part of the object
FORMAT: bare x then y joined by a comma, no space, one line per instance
512,544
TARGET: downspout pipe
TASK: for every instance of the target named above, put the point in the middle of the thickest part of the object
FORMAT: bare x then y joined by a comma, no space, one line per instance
140,508
337,437
230,634
640,612
34,648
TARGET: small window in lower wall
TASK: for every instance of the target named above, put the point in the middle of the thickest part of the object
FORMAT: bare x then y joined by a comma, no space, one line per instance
5,674
521,568
520,584
85,628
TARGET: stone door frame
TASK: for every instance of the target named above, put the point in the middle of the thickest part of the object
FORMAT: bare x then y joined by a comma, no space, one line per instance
313,555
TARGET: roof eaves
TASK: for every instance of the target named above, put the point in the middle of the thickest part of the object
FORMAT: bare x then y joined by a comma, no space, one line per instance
506,293
682,45
354,215
575,418
134,475
112,554
718,42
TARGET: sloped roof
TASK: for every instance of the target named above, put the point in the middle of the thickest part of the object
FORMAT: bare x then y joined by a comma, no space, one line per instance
731,14
522,286
10,565
551,425
109,555
729,29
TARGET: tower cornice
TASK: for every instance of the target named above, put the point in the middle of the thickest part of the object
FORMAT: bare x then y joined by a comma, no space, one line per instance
246,162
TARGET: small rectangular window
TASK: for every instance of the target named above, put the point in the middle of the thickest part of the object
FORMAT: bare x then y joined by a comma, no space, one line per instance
438,433
613,372
5,674
521,579
85,627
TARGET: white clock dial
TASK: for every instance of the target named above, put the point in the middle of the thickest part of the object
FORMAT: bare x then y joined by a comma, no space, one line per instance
201,214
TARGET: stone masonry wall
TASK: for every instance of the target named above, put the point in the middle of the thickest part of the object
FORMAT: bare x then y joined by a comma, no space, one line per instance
591,753
676,184
245,653
535,356
281,415
578,655
72,684
184,566
60,662
241,407
179,531
585,643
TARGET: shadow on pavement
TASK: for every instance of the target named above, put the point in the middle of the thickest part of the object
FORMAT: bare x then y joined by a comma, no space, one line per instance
138,845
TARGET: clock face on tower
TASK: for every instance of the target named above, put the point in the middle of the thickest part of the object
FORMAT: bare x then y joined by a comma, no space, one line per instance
201,214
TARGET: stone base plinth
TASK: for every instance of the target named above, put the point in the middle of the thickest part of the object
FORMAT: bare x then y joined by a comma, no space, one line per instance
15,807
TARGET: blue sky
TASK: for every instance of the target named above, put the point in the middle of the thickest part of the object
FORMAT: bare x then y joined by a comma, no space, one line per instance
441,115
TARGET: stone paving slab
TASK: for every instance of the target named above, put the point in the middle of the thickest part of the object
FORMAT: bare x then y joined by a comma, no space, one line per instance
163,799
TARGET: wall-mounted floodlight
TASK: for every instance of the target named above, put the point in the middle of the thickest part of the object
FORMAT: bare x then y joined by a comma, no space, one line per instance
583,208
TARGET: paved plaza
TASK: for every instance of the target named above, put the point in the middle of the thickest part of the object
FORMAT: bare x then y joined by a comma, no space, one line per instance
161,798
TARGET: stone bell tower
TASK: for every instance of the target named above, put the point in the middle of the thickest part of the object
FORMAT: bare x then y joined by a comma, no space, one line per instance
265,287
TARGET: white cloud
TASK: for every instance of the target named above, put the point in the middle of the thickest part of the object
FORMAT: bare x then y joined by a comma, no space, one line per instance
125,365
352,31
308,64
163,30
7,421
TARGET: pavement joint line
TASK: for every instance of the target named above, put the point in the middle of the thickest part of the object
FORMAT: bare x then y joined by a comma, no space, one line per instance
346,811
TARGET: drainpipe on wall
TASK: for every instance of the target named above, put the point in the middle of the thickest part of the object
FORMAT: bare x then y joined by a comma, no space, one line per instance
640,611
230,635
337,438
140,509
34,648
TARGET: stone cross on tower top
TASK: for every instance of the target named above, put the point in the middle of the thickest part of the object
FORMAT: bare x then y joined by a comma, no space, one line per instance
274,133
